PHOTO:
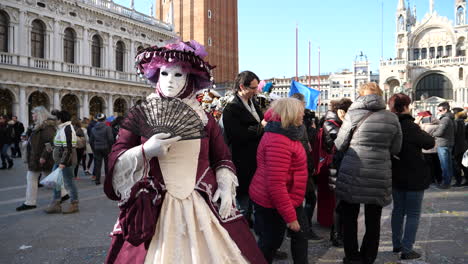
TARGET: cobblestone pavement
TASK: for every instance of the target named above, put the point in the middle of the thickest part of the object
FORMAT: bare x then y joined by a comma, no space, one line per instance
35,237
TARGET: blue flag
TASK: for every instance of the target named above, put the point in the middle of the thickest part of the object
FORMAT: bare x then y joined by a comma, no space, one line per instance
311,96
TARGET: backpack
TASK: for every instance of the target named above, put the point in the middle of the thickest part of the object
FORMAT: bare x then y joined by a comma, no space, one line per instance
321,157
80,142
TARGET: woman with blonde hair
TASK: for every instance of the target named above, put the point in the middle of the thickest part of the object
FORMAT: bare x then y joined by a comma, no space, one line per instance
278,186
39,153
368,137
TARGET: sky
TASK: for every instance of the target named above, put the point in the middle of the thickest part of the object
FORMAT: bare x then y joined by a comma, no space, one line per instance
342,29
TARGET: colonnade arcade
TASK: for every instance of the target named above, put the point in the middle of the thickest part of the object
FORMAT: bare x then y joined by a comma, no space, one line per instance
83,104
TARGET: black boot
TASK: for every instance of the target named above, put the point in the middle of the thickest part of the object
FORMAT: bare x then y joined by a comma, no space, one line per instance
10,164
336,238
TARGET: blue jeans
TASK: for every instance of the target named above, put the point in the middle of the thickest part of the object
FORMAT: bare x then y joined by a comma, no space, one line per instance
405,203
446,163
68,175
4,154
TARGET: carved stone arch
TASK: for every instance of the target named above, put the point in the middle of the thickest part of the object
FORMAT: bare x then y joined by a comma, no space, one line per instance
71,103
97,104
38,97
121,105
443,79
13,14
8,98
417,33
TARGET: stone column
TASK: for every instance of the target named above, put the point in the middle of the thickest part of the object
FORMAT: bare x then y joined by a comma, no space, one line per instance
56,47
85,105
57,100
110,53
23,107
22,39
110,106
131,57
85,56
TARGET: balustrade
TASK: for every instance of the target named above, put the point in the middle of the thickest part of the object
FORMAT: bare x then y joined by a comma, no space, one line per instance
426,62
6,58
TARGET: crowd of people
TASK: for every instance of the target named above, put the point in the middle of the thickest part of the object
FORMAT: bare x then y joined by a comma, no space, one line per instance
268,168
368,152
55,141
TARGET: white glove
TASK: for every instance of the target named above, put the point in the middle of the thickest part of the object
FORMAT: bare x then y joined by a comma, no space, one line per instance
158,145
227,182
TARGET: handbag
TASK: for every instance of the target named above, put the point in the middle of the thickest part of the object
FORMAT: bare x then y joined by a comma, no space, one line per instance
139,214
465,159
54,180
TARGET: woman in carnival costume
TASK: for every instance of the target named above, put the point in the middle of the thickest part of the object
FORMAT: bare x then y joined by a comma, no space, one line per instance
182,211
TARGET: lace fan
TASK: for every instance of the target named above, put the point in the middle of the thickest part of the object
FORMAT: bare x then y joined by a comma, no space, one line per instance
164,115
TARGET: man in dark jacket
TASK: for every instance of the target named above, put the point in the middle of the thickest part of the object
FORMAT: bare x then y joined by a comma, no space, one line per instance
460,146
19,129
101,141
243,130
6,139
445,136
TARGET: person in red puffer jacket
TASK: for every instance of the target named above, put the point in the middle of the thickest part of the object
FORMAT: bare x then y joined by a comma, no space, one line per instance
279,184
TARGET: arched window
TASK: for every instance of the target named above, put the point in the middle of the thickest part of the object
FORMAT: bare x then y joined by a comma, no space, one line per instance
460,49
119,56
69,46
423,53
37,39
4,23
460,15
460,73
401,23
96,51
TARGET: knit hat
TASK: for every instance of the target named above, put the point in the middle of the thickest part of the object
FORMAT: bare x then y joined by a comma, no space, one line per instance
101,117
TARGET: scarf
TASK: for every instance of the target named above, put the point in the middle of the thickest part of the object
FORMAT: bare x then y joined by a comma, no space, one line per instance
60,139
251,108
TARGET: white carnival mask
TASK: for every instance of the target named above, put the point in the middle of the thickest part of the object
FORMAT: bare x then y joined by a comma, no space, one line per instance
172,80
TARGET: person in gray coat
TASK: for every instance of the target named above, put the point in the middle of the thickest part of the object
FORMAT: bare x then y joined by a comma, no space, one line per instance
101,142
445,137
365,175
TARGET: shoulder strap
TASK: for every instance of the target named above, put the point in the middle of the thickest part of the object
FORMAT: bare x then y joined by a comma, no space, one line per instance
334,122
356,128
362,120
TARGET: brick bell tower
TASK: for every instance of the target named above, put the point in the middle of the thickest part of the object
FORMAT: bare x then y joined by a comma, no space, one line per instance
213,23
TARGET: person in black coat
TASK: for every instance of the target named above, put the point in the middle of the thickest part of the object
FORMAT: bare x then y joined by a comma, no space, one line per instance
7,135
459,148
410,177
332,122
243,130
307,140
19,129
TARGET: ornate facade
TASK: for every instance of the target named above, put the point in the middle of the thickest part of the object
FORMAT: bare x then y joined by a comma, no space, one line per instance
430,63
74,55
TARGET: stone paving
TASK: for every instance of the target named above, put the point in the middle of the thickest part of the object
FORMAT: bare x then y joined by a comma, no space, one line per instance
31,237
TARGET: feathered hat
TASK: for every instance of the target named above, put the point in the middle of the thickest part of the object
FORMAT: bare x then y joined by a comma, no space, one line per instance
189,55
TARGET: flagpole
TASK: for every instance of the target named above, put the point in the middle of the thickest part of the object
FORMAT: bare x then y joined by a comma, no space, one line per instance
310,83
319,68
318,107
297,55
